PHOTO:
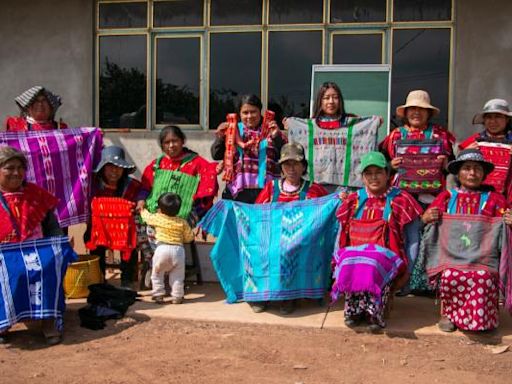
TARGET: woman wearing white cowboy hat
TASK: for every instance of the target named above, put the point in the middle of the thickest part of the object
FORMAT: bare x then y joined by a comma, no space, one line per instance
496,118
416,114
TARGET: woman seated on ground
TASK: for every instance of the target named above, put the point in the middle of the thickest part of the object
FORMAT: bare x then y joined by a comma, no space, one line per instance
255,164
469,296
182,162
416,114
26,213
112,180
377,214
290,187
37,111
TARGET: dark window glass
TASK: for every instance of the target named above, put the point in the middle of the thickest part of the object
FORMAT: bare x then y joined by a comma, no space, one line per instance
236,12
421,60
357,49
123,15
180,13
235,70
122,82
291,55
296,11
358,11
177,80
422,10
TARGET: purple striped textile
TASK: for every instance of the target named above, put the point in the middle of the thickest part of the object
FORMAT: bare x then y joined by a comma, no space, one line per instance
364,268
61,161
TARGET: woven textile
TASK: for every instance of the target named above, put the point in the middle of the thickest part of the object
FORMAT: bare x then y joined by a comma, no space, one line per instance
278,251
334,155
185,186
31,276
232,121
499,155
61,161
365,268
113,225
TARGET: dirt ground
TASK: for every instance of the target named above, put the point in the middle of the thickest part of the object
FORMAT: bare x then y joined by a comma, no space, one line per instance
138,349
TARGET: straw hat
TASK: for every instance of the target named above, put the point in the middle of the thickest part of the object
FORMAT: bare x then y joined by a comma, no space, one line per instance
493,106
469,155
417,98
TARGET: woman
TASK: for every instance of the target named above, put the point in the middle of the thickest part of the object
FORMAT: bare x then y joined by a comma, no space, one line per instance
182,161
112,180
418,136
26,213
497,120
329,111
290,187
469,297
37,111
256,164
381,215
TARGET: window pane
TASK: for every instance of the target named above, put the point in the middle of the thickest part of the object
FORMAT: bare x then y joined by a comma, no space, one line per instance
178,13
357,49
291,55
418,10
296,11
177,80
123,15
236,12
421,60
122,82
235,70
358,11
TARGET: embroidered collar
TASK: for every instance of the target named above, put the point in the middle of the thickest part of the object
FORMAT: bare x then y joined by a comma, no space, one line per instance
291,193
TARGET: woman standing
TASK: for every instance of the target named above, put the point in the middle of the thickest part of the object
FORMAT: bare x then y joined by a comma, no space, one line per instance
37,111
469,295
255,164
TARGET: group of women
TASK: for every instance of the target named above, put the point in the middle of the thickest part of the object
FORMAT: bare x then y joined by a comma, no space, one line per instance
269,169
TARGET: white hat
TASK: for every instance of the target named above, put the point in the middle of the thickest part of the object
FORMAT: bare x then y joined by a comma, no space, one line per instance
493,106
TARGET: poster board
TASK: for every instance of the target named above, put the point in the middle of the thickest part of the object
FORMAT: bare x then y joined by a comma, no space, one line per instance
366,89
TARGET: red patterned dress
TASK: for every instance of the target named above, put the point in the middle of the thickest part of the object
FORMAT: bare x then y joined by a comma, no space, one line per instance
362,221
21,124
277,191
469,299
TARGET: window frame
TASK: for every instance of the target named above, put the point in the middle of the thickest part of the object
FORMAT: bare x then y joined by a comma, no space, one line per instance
328,29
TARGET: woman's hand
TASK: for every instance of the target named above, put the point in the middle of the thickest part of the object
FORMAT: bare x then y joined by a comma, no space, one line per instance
220,167
140,206
473,145
444,158
431,215
507,217
220,132
274,129
285,123
395,163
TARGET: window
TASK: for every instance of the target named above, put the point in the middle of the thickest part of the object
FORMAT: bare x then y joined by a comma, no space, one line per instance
186,62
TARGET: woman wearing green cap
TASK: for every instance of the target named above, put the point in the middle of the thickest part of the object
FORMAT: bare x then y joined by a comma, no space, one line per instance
377,214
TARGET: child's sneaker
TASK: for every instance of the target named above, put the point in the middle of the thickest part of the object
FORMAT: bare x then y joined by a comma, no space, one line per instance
158,299
177,300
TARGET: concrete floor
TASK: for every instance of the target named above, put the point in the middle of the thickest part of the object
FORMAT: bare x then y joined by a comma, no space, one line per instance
411,317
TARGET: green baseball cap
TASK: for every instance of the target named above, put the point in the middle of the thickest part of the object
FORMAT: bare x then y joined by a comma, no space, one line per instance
373,158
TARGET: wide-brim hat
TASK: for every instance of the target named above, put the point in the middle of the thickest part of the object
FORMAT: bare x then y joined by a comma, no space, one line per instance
292,151
493,106
114,155
24,100
417,98
469,155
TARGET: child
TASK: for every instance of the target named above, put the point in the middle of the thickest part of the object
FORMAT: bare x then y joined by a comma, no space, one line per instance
171,233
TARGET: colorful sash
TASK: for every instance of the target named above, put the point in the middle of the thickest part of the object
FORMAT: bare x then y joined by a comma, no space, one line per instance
420,171
364,268
229,154
277,251
334,155
31,276
61,161
113,225
182,184
499,155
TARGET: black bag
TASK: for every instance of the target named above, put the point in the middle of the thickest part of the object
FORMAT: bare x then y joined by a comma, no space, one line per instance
107,295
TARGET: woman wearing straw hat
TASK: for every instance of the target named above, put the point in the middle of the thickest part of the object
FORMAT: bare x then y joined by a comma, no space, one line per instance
419,135
468,286
37,107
